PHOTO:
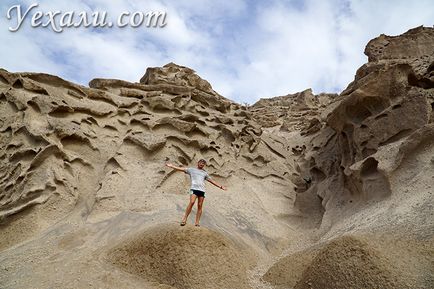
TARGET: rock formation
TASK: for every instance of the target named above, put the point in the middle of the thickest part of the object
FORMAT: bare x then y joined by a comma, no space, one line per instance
325,191
372,167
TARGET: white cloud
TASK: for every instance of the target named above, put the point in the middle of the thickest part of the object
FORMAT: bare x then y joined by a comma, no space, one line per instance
245,49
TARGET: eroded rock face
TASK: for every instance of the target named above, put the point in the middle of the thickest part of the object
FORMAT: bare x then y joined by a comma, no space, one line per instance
74,150
293,112
174,74
388,107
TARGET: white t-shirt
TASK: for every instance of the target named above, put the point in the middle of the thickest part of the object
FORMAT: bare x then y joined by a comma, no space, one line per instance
198,178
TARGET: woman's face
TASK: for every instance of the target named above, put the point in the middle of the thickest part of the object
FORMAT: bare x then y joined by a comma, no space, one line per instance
200,164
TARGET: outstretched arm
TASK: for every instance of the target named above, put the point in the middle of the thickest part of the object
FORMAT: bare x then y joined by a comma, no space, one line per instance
217,185
176,168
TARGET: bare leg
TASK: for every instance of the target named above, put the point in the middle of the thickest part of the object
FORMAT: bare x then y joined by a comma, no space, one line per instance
199,209
189,207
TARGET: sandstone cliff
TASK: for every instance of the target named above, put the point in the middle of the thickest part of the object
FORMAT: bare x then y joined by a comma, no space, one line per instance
325,191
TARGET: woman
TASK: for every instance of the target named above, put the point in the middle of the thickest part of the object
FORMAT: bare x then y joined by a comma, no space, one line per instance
197,189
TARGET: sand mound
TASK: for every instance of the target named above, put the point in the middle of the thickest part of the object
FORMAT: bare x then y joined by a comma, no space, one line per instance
183,257
349,263
288,270
357,262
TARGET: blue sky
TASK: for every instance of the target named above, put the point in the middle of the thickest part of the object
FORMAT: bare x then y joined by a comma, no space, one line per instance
245,49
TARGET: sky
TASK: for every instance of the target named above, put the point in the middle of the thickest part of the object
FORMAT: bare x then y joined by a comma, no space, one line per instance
247,50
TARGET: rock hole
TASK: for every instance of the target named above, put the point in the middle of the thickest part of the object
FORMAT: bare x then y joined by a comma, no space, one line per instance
397,136
18,83
34,105
369,167
182,160
424,83
317,175
60,111
13,106
431,67
383,115
26,155
358,113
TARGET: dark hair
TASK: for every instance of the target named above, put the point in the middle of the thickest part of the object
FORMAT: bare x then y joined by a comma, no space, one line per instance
202,161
